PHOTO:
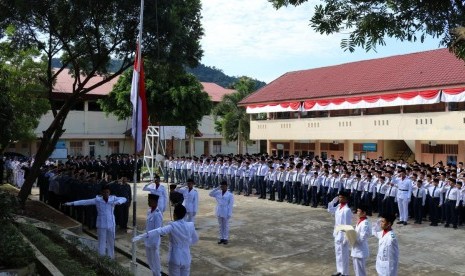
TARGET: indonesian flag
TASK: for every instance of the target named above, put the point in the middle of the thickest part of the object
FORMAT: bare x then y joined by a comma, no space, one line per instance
139,104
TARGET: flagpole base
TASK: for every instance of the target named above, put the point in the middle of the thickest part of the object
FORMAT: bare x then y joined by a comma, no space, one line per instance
134,267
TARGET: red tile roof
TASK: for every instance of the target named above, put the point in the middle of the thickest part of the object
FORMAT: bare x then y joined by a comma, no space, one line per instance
215,91
423,70
64,84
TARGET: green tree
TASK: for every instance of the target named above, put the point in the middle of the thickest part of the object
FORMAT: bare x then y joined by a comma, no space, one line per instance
23,94
172,98
369,22
86,34
231,120
6,113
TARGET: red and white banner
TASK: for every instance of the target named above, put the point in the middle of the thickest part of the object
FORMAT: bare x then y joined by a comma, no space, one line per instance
371,101
138,100
453,95
274,107
394,99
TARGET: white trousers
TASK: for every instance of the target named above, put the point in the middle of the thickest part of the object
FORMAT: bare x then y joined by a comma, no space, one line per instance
224,228
190,217
178,270
106,242
153,258
359,266
402,203
342,257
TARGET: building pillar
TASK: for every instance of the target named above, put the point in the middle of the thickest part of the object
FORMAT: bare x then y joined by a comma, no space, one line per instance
348,150
380,148
210,146
291,147
317,148
268,146
417,152
461,153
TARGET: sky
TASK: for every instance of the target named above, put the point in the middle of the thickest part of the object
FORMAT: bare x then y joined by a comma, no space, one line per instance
251,38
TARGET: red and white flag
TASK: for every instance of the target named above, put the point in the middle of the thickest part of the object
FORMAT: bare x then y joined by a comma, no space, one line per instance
139,104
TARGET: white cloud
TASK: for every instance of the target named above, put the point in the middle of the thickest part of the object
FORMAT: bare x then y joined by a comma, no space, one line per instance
254,29
250,37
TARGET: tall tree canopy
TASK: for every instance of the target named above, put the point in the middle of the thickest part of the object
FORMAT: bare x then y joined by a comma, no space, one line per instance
231,120
172,99
22,92
86,34
369,22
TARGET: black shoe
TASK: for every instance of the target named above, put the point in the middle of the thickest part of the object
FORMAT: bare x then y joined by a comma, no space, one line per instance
400,222
405,223
337,274
225,241
455,227
433,224
447,226
221,241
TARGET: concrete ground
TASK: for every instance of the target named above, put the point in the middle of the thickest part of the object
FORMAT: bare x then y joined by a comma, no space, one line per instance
278,238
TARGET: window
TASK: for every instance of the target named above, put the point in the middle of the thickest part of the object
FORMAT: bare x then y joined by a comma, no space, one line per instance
437,107
440,148
79,106
75,148
216,146
282,115
113,147
186,145
93,106
453,106
91,148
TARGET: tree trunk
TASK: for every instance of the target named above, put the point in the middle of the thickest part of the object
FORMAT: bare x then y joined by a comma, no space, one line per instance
47,145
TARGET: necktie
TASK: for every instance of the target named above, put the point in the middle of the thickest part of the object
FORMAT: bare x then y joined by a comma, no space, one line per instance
448,193
356,188
433,191
390,191
418,191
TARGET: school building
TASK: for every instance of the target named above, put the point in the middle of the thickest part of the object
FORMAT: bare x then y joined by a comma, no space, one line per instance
409,107
90,132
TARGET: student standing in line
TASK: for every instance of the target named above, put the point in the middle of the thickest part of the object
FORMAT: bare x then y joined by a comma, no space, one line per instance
223,210
360,251
387,260
182,236
105,204
343,216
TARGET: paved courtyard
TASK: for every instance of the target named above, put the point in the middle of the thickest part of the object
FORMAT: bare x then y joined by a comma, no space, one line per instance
278,238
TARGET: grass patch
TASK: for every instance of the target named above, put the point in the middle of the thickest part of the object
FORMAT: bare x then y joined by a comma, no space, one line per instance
72,258
15,252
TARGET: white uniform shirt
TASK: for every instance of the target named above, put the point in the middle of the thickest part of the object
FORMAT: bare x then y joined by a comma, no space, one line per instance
160,191
360,248
225,203
343,216
191,199
182,236
404,187
154,221
105,209
387,260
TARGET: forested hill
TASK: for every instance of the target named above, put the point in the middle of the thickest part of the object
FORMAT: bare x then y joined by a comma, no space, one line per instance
215,75
202,72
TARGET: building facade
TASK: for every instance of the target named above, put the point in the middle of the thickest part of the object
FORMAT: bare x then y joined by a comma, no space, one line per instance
401,107
90,132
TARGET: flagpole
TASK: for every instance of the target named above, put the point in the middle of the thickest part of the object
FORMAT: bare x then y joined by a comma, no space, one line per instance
136,140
